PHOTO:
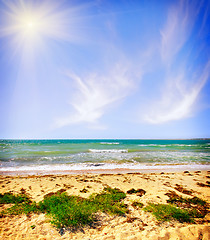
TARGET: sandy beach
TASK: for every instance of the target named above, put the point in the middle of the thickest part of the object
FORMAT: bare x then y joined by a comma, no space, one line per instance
137,224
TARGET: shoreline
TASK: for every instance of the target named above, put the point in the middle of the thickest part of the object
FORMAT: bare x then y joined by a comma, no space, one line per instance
149,169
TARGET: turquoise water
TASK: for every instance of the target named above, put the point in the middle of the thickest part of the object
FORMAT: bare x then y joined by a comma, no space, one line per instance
31,155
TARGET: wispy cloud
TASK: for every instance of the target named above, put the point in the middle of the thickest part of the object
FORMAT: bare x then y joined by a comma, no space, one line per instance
181,88
176,30
95,94
178,99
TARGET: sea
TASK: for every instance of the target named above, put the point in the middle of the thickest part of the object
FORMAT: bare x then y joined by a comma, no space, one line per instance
63,155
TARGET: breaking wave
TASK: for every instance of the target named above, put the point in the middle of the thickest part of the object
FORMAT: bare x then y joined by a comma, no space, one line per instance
109,143
108,150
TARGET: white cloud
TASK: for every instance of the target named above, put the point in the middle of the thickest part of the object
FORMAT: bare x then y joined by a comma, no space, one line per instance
178,100
95,94
176,30
182,87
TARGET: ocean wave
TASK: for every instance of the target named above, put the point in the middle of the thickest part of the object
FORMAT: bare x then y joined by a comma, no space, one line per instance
109,143
169,145
108,150
152,145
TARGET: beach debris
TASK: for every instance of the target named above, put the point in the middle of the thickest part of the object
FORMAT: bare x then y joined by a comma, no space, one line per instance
131,219
67,186
183,190
33,226
23,191
203,184
83,180
139,192
61,231
84,190
167,184
137,205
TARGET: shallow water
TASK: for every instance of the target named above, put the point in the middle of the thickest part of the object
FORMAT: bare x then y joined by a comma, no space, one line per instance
50,155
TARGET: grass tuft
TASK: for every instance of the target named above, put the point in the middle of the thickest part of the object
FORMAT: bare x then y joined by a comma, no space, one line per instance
68,211
109,201
175,198
9,197
167,212
197,207
71,211
22,208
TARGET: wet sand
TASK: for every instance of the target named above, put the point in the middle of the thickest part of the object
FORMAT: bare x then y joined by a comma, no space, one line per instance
138,224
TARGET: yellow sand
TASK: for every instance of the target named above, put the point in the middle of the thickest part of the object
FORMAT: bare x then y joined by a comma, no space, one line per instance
136,225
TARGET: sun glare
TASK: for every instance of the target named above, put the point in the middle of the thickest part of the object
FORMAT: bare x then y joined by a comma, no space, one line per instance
29,24
26,26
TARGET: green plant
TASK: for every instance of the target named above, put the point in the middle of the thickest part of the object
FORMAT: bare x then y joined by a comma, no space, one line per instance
197,207
9,197
178,199
110,201
167,212
196,201
72,211
67,210
137,204
22,208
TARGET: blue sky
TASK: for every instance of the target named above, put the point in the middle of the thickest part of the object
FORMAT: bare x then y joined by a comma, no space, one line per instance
104,69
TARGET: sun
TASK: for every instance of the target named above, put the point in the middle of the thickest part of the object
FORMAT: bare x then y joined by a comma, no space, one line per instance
31,25
28,23
25,24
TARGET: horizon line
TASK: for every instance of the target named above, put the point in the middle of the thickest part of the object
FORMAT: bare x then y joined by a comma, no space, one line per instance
197,138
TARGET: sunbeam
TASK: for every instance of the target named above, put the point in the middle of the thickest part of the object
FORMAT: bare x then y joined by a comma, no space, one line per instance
34,32
27,23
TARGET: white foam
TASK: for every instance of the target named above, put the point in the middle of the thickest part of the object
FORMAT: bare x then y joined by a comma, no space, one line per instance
109,143
151,145
108,150
106,166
